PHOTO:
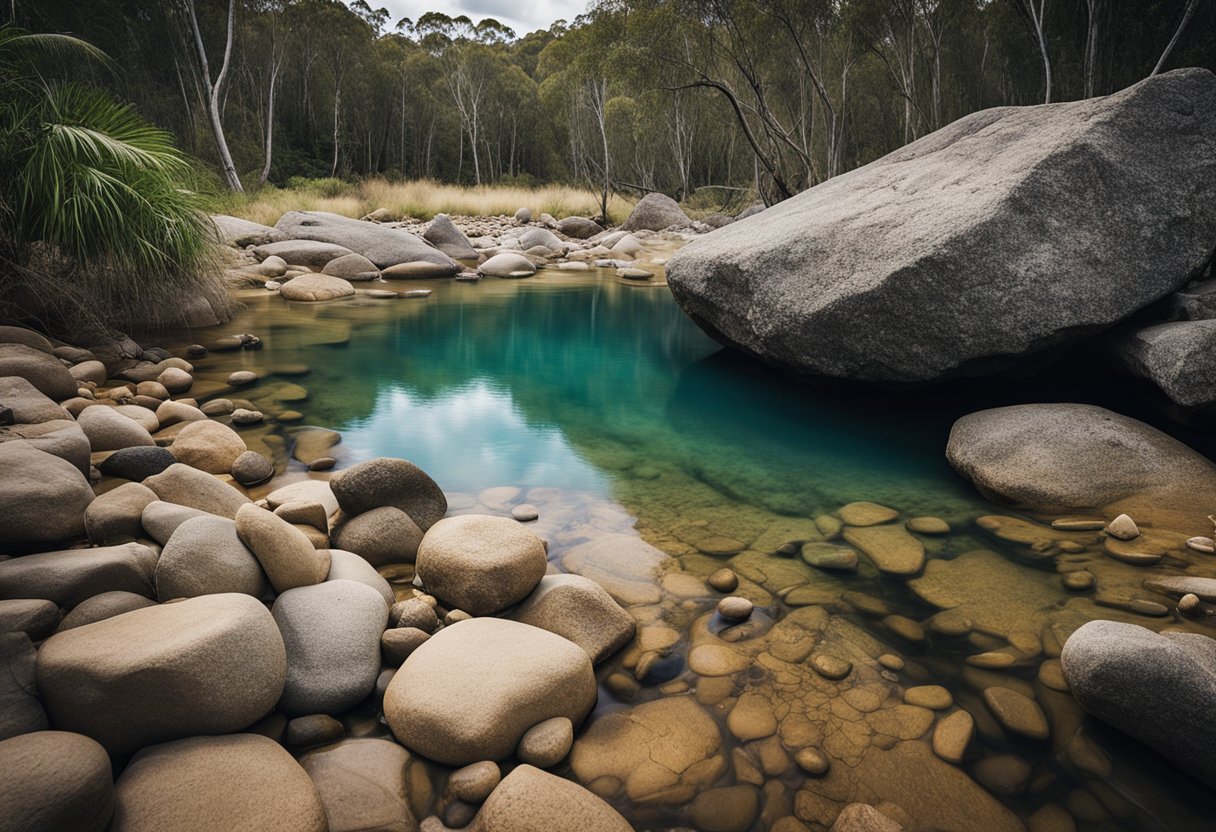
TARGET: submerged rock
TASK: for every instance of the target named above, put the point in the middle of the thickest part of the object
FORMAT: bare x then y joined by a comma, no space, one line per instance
1062,457
974,246
316,287
1149,685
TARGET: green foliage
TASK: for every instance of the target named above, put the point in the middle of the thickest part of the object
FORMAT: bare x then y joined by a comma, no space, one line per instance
98,221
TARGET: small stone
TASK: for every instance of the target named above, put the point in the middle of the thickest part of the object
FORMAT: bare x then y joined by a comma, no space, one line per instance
724,580
1123,528
414,613
1051,674
831,667
891,548
547,743
735,608
242,377
812,761
866,514
474,782
1202,544
928,525
933,697
725,809
525,512
905,628
176,380
1188,604
991,660
245,416
952,735
322,463
1017,713
1142,606
251,468
397,643
1003,774
1078,581
830,556
1078,524
891,662
313,729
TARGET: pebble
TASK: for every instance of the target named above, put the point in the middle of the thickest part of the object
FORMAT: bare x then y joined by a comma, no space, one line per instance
218,407
547,743
244,416
991,660
1202,544
1145,607
525,512
474,782
933,697
812,761
290,416
1051,674
1003,774
322,463
735,608
313,730
831,667
891,661
1017,713
1188,604
1123,528
952,735
951,623
928,525
724,580
905,628
242,377
1079,580
830,556
866,514
1078,524
251,468
458,814
196,351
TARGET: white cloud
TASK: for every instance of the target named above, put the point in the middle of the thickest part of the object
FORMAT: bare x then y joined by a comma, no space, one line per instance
521,15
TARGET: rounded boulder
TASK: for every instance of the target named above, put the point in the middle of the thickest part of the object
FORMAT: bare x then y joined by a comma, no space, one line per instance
480,563
207,665
52,781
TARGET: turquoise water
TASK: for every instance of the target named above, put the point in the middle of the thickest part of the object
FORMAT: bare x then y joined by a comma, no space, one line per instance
605,396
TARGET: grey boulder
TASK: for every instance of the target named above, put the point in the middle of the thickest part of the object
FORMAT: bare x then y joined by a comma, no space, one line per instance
1179,357
382,245
205,556
332,634
1064,457
74,575
302,252
44,496
445,236
238,233
386,481
654,212
1152,686
41,369
1010,232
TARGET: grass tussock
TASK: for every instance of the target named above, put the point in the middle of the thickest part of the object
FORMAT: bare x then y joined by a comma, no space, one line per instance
420,199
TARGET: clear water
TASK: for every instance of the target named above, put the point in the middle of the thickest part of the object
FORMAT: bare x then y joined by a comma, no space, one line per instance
602,398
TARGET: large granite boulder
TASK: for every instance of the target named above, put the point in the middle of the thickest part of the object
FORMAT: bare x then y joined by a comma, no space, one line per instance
1178,357
1154,686
332,634
472,690
207,665
1064,457
44,496
53,781
382,245
654,212
242,783
1012,231
531,800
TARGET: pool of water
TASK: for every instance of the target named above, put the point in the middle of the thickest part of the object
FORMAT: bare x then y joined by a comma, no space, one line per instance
598,401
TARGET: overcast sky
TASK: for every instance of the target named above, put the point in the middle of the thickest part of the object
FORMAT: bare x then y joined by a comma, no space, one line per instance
521,15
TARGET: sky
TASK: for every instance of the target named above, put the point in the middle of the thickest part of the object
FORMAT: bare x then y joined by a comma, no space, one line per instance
521,15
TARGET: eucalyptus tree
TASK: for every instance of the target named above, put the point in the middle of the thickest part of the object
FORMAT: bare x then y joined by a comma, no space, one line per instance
215,88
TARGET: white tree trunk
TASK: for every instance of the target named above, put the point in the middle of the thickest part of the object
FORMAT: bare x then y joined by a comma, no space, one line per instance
214,91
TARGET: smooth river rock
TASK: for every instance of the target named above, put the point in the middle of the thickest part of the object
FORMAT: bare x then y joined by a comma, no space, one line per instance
238,783
74,575
1149,685
1060,458
983,235
531,800
364,785
205,556
44,497
207,665
386,481
54,781
579,609
472,690
332,635
480,563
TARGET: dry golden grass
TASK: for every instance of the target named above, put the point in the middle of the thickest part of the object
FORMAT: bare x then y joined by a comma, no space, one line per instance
421,199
